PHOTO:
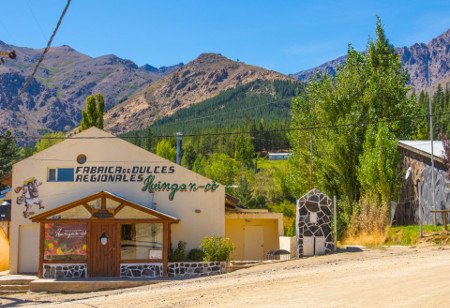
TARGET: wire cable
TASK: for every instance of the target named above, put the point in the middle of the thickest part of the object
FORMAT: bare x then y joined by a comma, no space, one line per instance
302,128
30,78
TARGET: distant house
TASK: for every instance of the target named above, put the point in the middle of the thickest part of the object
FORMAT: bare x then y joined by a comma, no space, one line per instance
279,156
416,156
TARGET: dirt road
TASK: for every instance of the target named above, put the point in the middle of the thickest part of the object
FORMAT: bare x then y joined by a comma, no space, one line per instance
397,276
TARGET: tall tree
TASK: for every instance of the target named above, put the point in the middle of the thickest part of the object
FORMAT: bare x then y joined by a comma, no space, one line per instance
149,140
189,156
244,151
221,168
369,88
165,149
9,152
136,139
49,140
92,115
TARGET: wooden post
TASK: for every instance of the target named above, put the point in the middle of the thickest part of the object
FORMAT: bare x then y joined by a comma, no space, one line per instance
41,249
166,247
335,223
420,210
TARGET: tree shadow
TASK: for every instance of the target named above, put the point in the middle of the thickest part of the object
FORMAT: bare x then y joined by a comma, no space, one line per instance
14,302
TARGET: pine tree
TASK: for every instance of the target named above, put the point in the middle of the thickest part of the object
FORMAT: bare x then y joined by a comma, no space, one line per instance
189,156
9,153
149,140
244,151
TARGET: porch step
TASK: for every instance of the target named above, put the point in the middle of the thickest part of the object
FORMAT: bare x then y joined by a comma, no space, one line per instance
14,288
16,281
87,285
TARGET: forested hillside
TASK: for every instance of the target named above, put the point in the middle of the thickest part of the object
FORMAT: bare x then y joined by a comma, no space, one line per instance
268,100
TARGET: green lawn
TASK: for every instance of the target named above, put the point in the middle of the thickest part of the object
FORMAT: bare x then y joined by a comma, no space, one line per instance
264,163
409,235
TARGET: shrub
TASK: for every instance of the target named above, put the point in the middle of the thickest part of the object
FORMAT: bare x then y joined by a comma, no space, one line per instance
216,248
196,255
177,255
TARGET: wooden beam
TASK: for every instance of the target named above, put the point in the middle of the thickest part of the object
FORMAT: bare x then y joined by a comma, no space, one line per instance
65,207
166,247
41,249
117,209
87,207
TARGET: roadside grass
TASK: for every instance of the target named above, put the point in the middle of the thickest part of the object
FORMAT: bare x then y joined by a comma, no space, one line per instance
400,235
368,239
410,235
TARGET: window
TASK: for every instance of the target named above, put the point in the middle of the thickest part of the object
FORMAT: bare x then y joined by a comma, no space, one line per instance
142,241
65,242
60,175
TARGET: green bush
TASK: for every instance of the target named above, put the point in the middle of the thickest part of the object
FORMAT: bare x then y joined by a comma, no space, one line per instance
196,255
216,248
177,255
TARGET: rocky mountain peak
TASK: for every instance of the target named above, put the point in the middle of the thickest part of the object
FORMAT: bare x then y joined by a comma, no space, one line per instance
427,64
202,78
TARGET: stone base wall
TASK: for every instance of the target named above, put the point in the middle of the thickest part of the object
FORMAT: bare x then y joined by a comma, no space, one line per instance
141,270
195,269
64,271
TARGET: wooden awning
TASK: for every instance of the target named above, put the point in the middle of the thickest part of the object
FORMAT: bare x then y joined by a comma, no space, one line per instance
103,206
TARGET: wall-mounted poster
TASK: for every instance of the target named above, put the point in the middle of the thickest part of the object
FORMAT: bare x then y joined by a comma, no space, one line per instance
65,242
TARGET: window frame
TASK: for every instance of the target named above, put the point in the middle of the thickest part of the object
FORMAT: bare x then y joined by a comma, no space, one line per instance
57,171
146,260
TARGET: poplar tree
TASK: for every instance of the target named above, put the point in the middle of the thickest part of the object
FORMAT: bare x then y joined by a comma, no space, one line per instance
92,115
369,88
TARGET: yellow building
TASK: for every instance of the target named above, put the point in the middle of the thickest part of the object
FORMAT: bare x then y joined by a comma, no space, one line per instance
254,232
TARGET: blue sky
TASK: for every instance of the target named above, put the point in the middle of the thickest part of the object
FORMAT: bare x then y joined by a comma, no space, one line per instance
287,36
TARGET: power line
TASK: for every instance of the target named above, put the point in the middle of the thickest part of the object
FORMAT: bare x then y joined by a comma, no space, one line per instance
303,128
29,79
35,19
212,115
6,30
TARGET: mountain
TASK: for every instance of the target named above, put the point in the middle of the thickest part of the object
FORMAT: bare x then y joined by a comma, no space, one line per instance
203,78
64,80
427,64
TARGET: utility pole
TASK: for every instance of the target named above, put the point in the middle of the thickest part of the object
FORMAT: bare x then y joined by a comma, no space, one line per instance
311,168
179,144
433,188
335,222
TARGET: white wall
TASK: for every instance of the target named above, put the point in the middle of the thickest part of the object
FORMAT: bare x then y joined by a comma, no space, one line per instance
288,243
116,152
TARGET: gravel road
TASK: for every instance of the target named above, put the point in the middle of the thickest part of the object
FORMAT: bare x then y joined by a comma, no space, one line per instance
395,276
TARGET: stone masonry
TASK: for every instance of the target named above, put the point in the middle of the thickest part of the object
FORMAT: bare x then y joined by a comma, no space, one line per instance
196,269
141,270
313,219
64,271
